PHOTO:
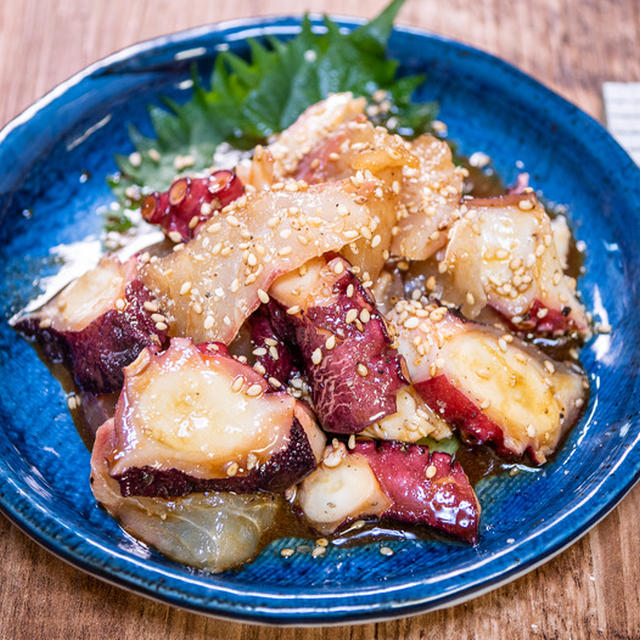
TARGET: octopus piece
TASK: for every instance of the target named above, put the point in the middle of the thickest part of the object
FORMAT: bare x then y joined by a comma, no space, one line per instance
212,284
98,324
193,419
430,195
390,480
353,370
503,253
493,387
413,420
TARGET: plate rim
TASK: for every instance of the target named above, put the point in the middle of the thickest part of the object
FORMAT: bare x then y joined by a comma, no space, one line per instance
301,613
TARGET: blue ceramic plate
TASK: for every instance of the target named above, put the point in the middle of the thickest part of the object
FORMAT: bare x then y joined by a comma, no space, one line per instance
489,106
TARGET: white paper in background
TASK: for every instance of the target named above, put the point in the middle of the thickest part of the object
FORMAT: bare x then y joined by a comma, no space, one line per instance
622,113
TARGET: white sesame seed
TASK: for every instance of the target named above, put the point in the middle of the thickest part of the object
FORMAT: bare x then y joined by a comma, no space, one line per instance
351,315
292,310
525,205
254,390
338,267
185,288
352,442
161,326
209,322
259,351
135,159
411,323
150,306
362,370
386,551
285,251
287,552
232,469
316,356
330,343
430,471
174,236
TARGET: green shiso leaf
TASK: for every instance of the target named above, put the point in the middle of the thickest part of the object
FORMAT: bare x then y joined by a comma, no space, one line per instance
446,445
249,100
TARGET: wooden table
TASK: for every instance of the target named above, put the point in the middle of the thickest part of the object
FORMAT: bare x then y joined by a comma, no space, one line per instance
589,591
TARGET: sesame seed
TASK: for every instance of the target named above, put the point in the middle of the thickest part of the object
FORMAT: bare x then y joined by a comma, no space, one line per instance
430,471
376,241
150,306
351,315
362,370
185,288
209,322
548,365
157,317
161,326
287,552
330,343
351,234
431,283
318,551
365,315
254,390
338,267
135,159
259,368
542,313
120,305
270,342
273,352
285,251
352,442
232,469
386,551
470,298
316,356
235,285
411,323
292,310
174,236
252,261
342,210
233,221
531,432
193,223
323,542
154,155
525,205
502,343
350,291
274,382
259,351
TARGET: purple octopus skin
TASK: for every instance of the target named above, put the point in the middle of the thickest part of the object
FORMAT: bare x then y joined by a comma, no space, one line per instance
424,487
97,353
345,400
286,366
281,471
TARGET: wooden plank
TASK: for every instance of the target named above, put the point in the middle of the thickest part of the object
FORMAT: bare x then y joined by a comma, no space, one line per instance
589,591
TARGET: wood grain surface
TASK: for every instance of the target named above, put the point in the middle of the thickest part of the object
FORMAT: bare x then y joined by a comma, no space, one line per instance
589,591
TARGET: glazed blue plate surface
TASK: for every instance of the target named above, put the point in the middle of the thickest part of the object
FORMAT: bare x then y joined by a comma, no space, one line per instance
53,162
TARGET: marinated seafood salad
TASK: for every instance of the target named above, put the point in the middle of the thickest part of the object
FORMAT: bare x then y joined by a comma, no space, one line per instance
321,323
